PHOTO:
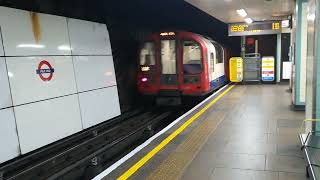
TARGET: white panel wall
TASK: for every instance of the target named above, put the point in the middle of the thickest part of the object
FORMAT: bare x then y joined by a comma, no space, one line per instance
304,44
88,38
26,84
1,46
81,93
8,136
44,122
20,33
5,96
99,68
99,105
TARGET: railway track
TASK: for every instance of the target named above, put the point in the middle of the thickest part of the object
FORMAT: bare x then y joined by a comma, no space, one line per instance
83,155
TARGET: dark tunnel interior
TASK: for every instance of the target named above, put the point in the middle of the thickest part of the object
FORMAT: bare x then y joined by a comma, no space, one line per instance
128,22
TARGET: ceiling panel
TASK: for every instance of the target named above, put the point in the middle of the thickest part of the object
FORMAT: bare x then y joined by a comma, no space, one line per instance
258,10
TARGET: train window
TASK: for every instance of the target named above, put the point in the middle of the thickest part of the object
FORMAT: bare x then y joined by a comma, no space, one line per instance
219,55
168,57
147,54
192,63
211,62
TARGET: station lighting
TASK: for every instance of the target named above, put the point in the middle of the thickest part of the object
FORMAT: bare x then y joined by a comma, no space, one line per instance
248,20
31,46
242,12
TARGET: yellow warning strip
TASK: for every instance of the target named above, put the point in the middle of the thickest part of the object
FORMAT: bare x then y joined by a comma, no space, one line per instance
166,141
173,167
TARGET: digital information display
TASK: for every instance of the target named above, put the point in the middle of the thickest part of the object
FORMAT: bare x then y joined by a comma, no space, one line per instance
258,28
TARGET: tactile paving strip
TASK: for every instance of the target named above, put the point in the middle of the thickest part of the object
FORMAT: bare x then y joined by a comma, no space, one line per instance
178,160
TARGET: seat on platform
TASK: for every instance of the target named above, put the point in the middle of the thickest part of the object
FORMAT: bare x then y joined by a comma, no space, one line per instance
311,148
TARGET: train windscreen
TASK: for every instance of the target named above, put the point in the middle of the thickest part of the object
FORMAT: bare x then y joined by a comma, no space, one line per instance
192,63
168,57
147,54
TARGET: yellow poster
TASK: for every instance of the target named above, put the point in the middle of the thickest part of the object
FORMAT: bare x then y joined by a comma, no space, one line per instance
236,69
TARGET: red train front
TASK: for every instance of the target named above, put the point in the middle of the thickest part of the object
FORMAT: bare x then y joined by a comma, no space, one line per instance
177,64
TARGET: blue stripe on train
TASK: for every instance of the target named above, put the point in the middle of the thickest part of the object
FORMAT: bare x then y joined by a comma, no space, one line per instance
215,84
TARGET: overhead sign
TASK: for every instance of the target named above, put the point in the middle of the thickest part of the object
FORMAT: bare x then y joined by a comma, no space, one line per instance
45,71
267,68
258,28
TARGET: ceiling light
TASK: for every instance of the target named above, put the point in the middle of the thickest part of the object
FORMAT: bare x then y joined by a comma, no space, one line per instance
248,20
31,46
242,12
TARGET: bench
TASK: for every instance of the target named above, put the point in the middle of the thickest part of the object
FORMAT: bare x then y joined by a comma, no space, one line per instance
311,149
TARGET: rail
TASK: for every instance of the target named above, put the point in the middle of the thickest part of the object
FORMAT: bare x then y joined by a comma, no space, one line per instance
85,152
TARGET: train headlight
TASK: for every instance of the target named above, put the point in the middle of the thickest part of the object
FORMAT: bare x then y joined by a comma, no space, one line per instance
144,79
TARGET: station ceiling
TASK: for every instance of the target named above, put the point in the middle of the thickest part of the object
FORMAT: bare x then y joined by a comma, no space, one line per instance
258,10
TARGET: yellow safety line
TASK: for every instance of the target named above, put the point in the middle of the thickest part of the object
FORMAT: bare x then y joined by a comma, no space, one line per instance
166,141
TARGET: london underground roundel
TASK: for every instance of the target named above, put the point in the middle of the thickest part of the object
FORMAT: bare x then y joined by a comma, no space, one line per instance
45,71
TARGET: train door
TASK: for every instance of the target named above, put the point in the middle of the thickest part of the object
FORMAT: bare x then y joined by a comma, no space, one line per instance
168,59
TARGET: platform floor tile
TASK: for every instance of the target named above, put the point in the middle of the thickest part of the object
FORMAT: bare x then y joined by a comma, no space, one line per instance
249,134
241,174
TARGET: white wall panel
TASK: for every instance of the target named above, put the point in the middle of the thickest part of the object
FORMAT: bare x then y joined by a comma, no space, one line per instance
26,84
1,45
8,136
304,44
94,72
47,121
99,105
88,38
5,96
25,34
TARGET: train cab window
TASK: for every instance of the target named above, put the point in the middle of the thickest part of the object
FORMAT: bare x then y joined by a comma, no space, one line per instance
168,57
219,55
192,60
147,54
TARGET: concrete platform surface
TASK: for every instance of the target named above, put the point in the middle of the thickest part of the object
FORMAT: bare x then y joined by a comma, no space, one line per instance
249,134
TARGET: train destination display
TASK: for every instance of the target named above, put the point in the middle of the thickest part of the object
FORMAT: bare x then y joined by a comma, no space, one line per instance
258,28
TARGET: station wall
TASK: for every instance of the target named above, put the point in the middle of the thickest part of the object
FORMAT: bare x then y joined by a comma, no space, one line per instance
57,77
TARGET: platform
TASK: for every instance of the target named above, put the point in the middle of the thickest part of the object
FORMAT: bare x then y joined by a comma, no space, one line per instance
248,133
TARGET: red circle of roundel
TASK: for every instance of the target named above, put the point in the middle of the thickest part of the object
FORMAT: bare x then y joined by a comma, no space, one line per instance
40,71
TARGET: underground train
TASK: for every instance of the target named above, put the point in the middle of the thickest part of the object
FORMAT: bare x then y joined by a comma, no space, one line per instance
174,65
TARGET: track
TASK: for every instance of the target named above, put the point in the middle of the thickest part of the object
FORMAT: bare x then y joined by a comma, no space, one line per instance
83,155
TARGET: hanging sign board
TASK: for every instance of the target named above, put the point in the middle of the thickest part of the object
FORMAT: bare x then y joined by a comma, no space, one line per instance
258,28
236,69
267,68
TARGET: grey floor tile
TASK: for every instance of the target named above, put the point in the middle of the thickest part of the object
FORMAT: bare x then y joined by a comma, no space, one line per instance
242,161
291,123
250,148
283,139
249,138
292,176
285,164
240,174
289,150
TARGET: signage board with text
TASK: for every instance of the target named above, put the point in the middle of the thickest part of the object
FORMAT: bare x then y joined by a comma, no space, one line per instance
258,28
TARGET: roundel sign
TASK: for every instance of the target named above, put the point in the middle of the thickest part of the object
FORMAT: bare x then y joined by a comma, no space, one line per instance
45,70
